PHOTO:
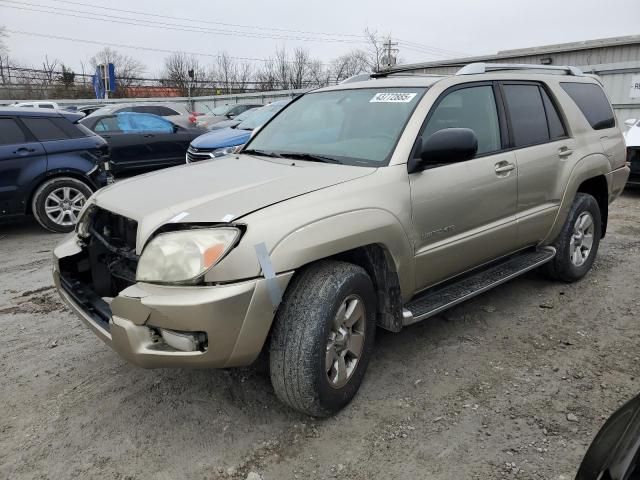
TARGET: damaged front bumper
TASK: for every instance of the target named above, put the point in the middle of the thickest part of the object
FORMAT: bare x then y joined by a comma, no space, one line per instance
157,326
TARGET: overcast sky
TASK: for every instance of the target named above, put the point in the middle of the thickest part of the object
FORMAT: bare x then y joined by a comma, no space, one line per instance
465,26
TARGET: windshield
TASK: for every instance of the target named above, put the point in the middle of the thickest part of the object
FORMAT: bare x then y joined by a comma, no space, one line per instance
262,115
218,111
353,126
244,115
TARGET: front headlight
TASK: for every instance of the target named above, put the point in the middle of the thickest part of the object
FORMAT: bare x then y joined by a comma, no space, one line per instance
221,152
184,255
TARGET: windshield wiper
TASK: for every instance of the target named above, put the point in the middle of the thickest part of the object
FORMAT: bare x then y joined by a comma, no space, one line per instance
311,157
262,153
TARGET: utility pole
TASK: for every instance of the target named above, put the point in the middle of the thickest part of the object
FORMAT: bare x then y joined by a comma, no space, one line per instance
390,59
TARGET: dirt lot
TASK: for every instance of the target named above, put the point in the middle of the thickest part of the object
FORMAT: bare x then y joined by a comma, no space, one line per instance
512,384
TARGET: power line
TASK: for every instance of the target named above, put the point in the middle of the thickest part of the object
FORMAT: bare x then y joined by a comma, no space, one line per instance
207,21
160,25
259,27
195,29
133,47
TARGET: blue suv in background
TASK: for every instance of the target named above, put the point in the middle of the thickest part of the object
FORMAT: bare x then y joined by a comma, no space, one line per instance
227,140
49,166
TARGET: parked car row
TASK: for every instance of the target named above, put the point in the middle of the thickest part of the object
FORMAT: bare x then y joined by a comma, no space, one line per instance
51,160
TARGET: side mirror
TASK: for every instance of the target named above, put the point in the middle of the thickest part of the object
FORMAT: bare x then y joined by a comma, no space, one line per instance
449,145
630,122
175,128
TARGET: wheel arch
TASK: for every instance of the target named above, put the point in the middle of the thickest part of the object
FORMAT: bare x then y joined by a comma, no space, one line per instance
589,175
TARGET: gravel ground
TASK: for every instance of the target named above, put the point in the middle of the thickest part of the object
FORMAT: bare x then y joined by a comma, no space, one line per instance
513,384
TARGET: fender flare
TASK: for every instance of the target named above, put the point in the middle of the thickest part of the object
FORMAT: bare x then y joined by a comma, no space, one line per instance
590,166
358,228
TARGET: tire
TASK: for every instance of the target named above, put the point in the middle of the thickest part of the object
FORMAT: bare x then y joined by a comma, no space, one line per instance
304,330
564,266
67,193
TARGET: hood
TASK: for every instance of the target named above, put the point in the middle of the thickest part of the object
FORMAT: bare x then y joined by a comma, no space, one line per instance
221,190
632,136
227,137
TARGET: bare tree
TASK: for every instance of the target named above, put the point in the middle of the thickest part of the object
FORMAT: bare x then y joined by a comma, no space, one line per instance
128,69
375,49
245,76
281,64
176,74
350,64
4,50
299,68
227,72
267,76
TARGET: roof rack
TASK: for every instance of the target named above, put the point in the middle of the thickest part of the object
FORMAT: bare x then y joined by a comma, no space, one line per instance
475,68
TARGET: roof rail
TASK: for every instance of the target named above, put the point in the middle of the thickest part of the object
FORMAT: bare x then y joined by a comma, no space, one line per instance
475,68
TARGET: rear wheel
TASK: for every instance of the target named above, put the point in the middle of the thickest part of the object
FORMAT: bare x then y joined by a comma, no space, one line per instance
323,338
577,244
58,201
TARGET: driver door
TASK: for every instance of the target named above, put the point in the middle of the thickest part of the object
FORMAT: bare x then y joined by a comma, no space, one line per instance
464,213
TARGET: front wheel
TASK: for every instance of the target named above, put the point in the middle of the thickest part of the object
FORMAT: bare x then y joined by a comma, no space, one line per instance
577,244
323,337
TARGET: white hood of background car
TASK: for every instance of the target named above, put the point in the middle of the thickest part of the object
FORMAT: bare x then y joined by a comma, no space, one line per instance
220,190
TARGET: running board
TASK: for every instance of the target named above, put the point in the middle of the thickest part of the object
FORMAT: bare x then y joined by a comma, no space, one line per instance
440,298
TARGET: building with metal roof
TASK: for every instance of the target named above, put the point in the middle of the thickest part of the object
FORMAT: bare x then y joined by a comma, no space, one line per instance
616,60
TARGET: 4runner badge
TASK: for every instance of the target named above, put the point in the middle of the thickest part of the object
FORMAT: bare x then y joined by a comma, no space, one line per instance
440,231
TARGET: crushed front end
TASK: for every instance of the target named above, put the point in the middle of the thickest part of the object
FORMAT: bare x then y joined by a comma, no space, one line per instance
157,325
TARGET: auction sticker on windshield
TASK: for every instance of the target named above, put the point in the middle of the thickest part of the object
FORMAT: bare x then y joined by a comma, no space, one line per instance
390,97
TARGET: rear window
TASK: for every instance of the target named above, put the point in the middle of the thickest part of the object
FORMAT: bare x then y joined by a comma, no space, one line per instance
592,102
155,110
10,132
54,128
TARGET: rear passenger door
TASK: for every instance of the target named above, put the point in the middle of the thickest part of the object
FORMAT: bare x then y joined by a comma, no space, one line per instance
538,135
22,159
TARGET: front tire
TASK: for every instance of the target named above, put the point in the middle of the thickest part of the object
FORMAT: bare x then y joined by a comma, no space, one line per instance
58,201
577,244
323,338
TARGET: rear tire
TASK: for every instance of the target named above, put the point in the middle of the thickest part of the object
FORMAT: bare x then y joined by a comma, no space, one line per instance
323,337
58,201
577,244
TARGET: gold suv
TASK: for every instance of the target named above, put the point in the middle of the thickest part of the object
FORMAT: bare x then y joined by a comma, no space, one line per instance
375,203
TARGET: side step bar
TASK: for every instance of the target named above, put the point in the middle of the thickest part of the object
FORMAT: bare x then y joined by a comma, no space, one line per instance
445,296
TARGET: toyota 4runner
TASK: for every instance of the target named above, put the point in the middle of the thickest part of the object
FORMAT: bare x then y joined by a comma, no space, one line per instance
370,204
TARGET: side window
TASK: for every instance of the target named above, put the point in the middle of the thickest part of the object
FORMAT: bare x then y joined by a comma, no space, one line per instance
472,107
107,124
10,132
69,128
151,123
44,129
593,103
527,115
556,128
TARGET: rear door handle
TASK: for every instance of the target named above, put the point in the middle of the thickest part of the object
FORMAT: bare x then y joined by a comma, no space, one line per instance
149,135
564,152
504,167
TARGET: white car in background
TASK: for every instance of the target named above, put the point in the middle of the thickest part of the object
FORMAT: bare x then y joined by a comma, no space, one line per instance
632,139
51,105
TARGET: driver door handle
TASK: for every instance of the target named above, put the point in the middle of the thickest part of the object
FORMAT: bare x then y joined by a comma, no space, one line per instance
504,167
24,151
